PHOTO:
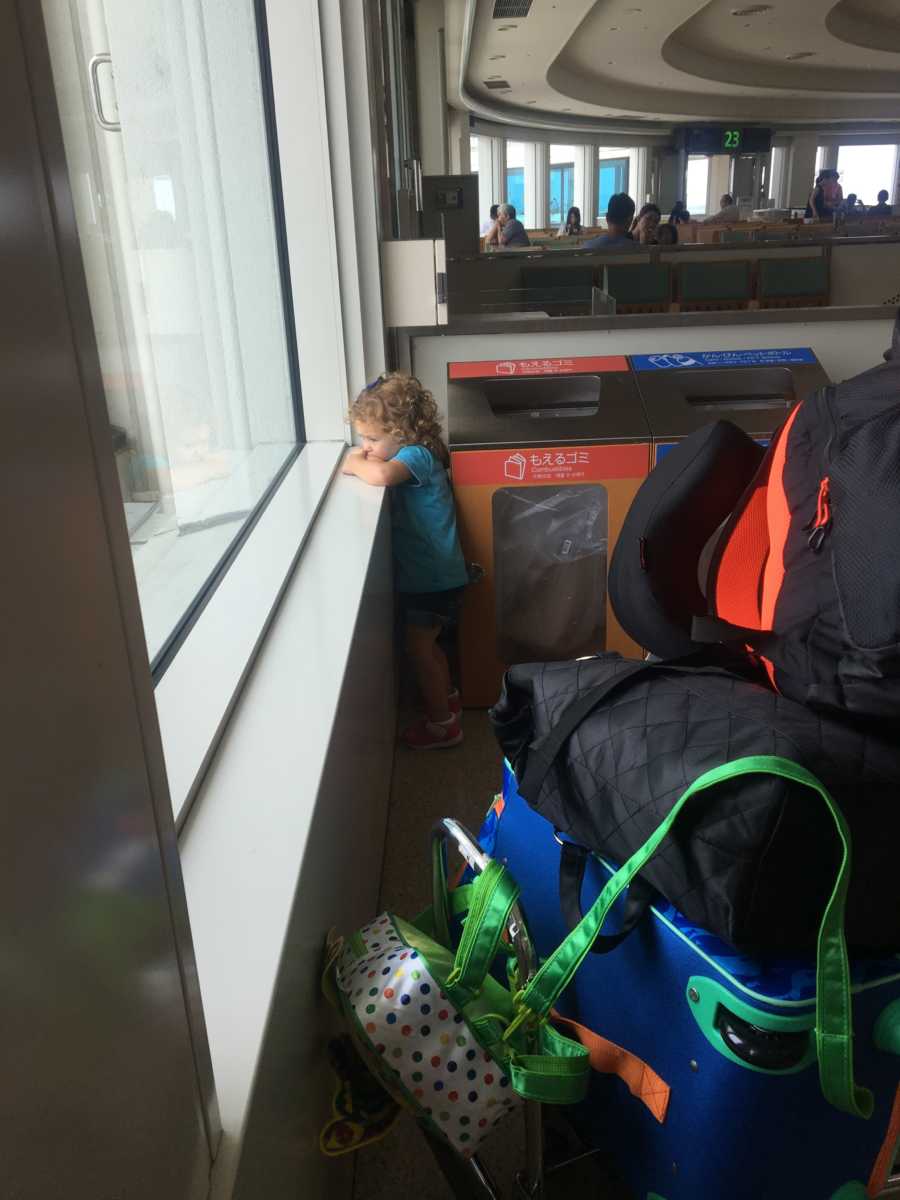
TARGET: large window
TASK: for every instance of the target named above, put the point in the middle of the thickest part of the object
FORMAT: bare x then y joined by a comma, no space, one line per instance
515,176
697,188
561,194
168,144
612,177
866,170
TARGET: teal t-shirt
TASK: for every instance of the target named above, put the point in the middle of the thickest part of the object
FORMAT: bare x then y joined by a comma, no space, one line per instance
427,556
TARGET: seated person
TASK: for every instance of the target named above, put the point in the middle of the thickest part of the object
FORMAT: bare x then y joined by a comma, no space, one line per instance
851,206
512,231
490,226
619,215
667,234
728,212
679,214
882,208
646,223
572,226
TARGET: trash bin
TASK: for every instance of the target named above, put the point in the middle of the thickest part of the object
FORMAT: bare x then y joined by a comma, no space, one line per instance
546,456
753,388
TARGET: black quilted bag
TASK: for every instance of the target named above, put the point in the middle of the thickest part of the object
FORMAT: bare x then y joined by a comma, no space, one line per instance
604,747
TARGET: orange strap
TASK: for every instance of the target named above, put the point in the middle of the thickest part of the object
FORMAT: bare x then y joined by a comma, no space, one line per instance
778,516
609,1059
885,1160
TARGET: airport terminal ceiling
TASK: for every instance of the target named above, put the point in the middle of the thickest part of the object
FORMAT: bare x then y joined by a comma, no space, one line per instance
644,65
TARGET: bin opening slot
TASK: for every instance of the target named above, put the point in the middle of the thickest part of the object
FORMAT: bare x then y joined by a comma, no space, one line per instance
544,398
738,389
756,403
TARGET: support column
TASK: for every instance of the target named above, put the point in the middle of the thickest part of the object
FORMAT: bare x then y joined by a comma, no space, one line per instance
491,174
718,180
638,170
585,183
458,140
801,169
433,148
537,170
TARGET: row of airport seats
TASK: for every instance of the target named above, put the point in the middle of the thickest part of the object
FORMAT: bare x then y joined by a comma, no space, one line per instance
699,233
691,286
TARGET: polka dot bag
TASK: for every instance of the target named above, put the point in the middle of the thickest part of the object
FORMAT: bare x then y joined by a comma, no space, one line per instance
436,1016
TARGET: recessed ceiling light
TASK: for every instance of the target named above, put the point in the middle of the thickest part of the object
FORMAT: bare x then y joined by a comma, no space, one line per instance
751,10
634,10
800,54
495,76
613,29
504,28
531,101
497,57
567,110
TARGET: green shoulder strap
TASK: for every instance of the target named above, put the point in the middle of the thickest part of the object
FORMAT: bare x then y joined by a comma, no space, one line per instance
491,897
833,1016
494,892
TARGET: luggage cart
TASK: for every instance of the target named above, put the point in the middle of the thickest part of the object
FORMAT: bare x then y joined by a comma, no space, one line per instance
468,1178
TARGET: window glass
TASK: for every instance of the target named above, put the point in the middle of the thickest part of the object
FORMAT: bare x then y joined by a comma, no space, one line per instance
561,193
866,170
697,185
473,155
612,177
515,176
167,145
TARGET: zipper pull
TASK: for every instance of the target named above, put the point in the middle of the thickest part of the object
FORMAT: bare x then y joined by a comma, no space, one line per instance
823,517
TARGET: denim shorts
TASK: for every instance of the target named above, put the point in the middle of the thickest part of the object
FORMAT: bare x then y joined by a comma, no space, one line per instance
427,609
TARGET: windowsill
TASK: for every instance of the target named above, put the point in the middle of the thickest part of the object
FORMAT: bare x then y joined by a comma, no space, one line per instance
175,552
197,692
248,833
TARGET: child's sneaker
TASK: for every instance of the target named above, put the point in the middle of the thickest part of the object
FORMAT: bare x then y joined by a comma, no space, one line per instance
434,735
454,702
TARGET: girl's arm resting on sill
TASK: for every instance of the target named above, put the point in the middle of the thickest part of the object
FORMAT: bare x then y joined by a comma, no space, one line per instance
373,470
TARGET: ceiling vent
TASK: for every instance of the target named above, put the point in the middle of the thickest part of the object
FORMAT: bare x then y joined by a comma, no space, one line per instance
504,9
496,85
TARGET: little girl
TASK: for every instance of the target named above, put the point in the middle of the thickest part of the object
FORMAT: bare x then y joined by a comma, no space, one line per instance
402,448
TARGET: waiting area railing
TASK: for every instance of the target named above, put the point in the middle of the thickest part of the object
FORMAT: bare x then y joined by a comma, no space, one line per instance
661,286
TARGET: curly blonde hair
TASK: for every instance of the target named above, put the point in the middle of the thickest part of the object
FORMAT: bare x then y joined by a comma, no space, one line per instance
398,403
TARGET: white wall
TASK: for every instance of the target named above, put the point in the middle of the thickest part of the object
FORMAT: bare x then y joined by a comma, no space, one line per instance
285,841
338,886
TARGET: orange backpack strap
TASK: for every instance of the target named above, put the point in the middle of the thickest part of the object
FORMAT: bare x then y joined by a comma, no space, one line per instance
609,1059
748,568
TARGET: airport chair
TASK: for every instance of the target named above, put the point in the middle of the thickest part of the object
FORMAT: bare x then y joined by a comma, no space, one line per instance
639,287
561,291
709,286
793,282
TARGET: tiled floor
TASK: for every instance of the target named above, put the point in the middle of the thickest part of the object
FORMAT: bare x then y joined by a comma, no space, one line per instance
459,783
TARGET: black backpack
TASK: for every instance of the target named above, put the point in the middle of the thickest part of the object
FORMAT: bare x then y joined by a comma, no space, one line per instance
603,748
798,547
